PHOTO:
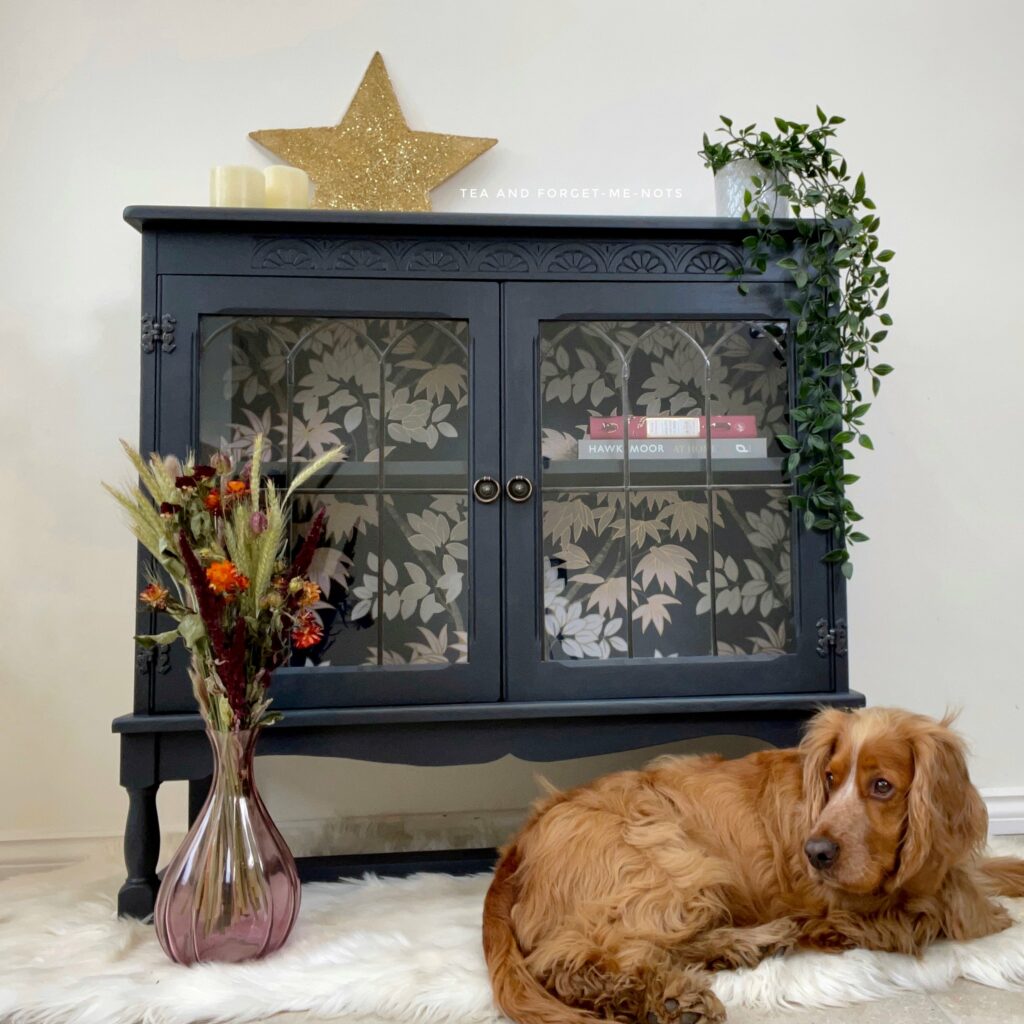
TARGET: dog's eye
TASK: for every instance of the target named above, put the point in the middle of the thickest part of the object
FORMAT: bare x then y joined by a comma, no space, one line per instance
829,779
881,787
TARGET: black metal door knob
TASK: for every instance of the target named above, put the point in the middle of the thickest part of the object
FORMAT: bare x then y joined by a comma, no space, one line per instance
486,490
519,488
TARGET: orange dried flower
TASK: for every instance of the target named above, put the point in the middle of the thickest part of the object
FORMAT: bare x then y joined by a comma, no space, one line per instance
309,595
224,578
236,488
307,630
155,596
212,500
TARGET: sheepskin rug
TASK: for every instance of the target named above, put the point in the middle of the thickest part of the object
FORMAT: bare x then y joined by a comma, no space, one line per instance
375,949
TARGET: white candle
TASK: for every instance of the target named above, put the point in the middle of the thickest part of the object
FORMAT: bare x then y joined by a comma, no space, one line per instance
287,187
234,185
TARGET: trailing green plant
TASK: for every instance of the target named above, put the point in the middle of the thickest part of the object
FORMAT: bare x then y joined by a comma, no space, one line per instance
832,253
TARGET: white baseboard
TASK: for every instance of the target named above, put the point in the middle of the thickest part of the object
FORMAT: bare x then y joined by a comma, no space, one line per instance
1005,811
307,838
382,833
32,856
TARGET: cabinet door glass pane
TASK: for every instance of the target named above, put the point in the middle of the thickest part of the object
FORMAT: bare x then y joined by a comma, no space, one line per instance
663,537
393,569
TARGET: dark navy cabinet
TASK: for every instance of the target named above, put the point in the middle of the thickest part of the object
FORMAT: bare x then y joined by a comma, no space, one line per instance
505,571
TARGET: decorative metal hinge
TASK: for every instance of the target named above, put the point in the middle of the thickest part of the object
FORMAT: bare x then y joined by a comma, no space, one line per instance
834,637
158,658
162,333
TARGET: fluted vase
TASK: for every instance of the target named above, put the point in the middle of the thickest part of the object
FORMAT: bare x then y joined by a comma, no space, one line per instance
231,892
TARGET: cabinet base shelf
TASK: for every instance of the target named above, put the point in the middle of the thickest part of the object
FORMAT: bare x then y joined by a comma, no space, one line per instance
396,865
160,748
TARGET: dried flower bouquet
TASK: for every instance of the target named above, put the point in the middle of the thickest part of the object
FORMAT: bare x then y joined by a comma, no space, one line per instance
239,605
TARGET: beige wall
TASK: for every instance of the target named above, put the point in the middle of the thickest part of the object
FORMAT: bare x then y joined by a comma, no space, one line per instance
104,104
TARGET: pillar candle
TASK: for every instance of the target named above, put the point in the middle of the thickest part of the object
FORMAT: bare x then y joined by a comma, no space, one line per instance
287,187
233,185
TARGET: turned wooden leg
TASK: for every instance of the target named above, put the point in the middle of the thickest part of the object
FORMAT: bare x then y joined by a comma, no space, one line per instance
198,790
137,896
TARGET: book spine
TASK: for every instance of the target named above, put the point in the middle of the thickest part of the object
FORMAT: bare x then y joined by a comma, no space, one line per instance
641,428
676,448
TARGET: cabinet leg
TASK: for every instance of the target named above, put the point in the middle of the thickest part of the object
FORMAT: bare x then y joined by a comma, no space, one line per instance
137,896
198,790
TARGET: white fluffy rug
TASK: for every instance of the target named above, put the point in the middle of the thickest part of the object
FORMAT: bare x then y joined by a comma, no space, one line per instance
377,949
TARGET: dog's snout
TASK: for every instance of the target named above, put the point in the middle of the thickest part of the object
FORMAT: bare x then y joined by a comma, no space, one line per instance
822,853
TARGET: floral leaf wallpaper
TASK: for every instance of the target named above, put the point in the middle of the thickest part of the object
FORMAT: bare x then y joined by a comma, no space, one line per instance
392,568
637,562
672,562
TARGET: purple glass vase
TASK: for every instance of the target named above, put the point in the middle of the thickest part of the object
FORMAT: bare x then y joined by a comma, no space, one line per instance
231,892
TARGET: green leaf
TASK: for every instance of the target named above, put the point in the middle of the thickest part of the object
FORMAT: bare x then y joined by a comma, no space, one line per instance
866,442
843,437
788,263
839,555
155,639
885,255
787,441
882,370
847,570
821,115
192,629
858,537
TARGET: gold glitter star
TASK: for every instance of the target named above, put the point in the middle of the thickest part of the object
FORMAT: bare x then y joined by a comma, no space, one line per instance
372,160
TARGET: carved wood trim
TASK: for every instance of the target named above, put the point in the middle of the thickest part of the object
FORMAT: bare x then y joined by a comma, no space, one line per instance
506,259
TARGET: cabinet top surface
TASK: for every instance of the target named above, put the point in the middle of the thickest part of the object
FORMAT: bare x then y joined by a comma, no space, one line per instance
203,218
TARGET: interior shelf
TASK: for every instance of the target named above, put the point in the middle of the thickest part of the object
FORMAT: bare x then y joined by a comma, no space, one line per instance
563,473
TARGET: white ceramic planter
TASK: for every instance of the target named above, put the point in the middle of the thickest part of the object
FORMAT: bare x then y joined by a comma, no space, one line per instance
734,179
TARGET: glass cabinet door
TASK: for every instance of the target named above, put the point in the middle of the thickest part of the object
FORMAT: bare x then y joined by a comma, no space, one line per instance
400,384
660,536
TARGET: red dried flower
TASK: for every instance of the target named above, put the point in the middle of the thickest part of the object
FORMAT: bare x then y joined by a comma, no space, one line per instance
184,483
168,510
212,500
307,630
203,472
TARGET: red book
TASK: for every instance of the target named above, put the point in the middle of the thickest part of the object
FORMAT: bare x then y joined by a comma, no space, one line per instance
643,427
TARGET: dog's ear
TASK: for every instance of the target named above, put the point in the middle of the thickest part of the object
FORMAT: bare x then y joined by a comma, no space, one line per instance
946,817
817,747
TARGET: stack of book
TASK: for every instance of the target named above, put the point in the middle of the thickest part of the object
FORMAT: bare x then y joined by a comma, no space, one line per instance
674,437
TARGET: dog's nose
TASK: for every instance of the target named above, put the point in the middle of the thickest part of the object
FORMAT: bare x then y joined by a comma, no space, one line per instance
821,853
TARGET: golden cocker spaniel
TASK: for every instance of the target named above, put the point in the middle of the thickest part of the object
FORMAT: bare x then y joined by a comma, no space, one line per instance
616,899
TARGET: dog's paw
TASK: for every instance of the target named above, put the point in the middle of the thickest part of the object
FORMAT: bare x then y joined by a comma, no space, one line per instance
694,1008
